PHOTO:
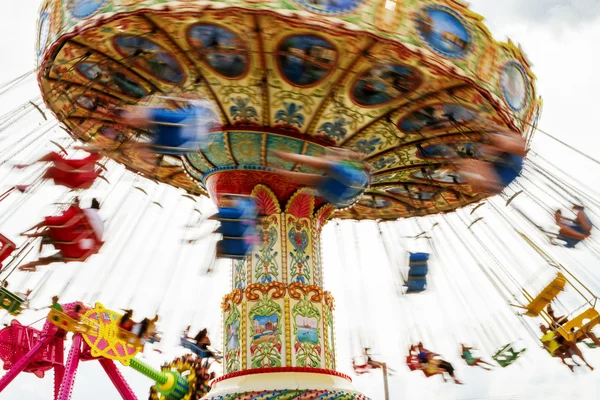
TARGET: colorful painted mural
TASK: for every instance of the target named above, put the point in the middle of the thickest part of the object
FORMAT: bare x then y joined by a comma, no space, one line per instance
150,57
414,192
385,83
514,84
330,6
307,333
265,329
232,356
223,50
84,8
436,117
111,79
305,60
444,31
442,175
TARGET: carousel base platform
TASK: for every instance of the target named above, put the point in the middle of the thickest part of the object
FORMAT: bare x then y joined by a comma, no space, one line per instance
285,383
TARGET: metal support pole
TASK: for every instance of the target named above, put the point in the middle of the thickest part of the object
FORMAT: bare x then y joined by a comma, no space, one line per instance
386,389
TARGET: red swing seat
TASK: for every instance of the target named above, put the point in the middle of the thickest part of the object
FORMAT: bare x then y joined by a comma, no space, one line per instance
414,364
72,173
6,248
67,232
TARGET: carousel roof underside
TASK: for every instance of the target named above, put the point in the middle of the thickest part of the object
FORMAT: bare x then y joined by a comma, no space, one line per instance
402,84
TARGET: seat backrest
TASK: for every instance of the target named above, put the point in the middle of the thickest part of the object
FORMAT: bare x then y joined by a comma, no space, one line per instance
546,296
418,270
418,257
580,325
6,248
416,285
10,301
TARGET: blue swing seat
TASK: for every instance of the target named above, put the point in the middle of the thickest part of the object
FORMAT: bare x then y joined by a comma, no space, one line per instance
418,270
177,132
416,285
230,247
418,257
194,348
238,227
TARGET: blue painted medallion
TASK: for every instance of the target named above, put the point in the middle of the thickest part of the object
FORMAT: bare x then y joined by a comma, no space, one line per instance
84,8
436,117
150,57
111,79
385,83
43,32
444,30
515,85
220,48
305,60
331,7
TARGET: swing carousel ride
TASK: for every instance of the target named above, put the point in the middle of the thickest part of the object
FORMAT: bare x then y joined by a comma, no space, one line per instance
412,87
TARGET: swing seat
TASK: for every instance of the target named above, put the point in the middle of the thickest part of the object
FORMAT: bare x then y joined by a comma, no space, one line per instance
548,294
16,340
63,321
233,247
412,362
344,183
507,355
236,226
130,339
418,257
577,328
6,248
416,285
86,164
10,301
570,243
195,348
73,180
73,234
418,270
178,132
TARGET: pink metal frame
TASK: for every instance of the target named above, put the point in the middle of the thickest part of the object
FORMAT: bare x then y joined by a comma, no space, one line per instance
64,375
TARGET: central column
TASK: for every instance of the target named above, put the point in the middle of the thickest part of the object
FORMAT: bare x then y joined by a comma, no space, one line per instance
277,314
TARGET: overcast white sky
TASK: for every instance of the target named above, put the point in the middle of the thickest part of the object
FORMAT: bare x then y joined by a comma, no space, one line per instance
559,37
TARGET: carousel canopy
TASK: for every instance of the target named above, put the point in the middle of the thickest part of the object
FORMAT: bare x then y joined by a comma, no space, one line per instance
404,83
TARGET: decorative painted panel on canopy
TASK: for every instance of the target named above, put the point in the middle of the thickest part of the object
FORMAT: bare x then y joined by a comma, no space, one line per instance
404,83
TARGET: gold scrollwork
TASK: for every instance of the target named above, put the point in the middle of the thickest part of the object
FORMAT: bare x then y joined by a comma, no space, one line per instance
278,289
297,289
234,297
329,300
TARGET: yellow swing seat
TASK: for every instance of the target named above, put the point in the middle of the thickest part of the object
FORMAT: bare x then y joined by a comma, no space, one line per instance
537,305
63,321
578,327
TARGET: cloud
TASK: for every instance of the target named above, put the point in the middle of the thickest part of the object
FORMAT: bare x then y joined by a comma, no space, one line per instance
568,14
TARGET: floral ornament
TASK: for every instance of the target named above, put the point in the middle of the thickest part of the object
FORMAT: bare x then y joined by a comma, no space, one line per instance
335,129
290,116
266,269
240,274
367,146
299,267
382,162
242,112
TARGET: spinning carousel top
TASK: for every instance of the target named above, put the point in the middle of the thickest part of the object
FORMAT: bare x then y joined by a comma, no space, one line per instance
405,83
